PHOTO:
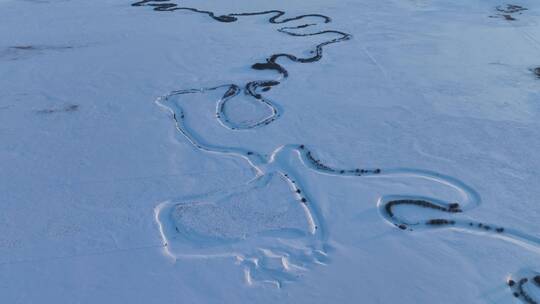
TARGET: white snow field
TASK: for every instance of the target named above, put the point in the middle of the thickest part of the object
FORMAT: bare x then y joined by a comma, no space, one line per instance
354,151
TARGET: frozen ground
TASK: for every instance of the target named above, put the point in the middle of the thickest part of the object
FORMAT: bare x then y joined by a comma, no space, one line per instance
144,160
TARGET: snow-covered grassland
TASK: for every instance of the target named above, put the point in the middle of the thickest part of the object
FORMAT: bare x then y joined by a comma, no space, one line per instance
390,154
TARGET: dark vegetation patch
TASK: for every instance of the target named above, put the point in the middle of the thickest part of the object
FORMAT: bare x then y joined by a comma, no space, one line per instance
452,208
536,71
67,109
520,292
318,164
38,48
440,222
23,47
22,51
510,8
508,11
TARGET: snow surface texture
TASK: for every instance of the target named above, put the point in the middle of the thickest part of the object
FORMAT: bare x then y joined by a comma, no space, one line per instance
273,219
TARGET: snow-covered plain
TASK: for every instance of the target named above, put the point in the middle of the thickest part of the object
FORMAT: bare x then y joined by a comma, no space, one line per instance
122,180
